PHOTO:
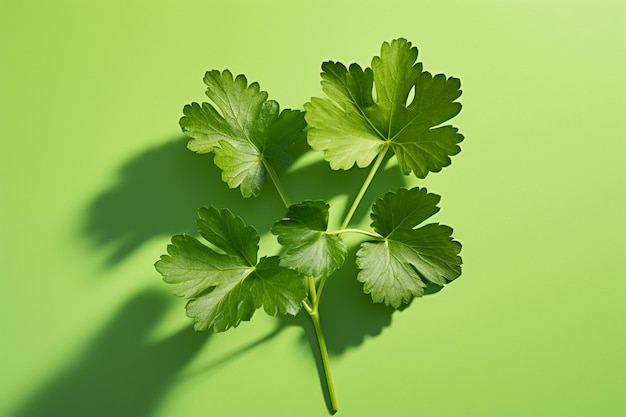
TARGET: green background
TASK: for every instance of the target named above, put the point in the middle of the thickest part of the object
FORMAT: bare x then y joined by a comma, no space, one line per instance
95,179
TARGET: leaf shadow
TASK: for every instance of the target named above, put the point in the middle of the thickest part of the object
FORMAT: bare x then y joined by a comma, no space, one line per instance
121,373
158,193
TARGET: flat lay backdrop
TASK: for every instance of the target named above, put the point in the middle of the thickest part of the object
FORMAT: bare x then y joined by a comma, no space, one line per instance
95,178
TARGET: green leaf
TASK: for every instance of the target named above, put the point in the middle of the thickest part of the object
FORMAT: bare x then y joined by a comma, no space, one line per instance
276,289
310,250
353,128
225,285
228,233
246,131
393,269
205,126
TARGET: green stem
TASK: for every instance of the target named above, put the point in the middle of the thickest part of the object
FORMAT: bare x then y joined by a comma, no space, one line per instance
359,231
277,183
320,288
315,317
312,293
307,305
366,184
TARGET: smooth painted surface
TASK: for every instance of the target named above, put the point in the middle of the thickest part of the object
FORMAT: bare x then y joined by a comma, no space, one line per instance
95,179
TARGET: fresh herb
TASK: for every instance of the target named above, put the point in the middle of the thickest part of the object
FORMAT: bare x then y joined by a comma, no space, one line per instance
393,107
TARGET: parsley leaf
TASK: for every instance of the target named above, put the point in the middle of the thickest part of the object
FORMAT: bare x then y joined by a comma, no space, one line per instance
354,127
310,250
393,269
225,287
247,132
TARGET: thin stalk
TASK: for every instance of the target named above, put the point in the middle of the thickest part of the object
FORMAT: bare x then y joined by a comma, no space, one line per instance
315,317
312,293
359,231
366,184
318,295
279,186
307,305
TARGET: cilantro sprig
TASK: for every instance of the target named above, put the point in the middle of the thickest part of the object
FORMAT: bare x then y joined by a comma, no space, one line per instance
394,108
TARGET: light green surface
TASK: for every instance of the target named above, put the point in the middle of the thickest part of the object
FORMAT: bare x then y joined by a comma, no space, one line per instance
95,178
